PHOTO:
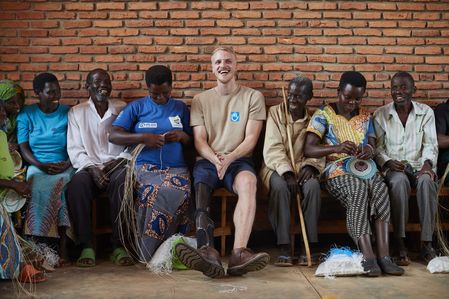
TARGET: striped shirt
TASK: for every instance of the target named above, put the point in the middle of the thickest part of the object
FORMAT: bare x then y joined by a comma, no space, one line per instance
415,143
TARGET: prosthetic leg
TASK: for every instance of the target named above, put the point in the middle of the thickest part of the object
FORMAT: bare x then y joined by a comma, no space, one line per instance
205,258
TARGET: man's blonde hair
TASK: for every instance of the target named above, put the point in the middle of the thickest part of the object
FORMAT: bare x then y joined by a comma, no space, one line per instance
226,49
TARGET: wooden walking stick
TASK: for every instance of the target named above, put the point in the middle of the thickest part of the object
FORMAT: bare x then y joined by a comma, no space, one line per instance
298,196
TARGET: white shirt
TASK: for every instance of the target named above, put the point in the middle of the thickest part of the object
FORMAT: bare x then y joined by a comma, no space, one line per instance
88,134
416,143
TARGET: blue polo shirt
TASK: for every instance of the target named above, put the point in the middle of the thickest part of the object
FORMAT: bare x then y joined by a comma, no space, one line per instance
145,116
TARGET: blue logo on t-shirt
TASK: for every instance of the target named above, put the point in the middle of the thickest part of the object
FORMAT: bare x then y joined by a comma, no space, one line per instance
235,116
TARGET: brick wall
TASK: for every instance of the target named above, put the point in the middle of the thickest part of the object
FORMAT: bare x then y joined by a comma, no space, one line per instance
274,40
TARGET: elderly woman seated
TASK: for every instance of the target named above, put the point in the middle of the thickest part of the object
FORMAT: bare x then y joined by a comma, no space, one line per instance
343,133
161,123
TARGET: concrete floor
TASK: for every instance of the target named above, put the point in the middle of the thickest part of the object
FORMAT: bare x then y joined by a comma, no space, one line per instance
110,281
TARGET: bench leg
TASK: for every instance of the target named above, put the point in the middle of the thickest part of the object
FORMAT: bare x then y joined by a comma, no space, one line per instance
223,225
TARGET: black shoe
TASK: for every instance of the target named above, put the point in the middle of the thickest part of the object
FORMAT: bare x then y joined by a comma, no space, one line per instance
371,267
389,267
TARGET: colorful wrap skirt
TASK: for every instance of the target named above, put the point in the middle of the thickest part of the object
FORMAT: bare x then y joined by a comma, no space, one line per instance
163,205
10,254
47,209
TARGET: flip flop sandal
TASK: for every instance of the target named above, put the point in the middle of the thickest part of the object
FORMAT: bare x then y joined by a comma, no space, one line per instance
87,254
29,274
302,260
121,258
284,261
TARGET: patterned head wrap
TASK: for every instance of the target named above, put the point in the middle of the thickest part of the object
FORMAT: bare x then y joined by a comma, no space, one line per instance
8,89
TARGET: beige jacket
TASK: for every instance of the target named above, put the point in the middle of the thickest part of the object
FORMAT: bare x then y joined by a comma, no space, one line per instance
276,152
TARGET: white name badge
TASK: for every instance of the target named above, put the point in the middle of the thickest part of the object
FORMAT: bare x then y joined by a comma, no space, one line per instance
175,121
147,125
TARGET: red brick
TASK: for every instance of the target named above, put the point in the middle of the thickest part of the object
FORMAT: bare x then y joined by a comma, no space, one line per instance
48,6
277,32
46,42
412,24
168,40
352,6
63,67
185,14
396,32
369,50
366,15
123,32
79,6
9,15
367,32
339,32
382,24
44,24
63,50
235,5
292,5
93,32
9,67
77,24
8,33
172,5
77,41
123,15
205,5
247,14
427,32
439,6
171,58
247,50
379,59
381,41
262,58
77,58
337,15
110,6
308,50
410,6
399,50
323,23
122,50
166,23
262,23
278,50
261,40
230,40
230,23
109,58
15,58
93,15
437,60
14,6
276,67
338,50
34,33
352,41
13,24
277,15
443,33
426,15
307,15
367,67
410,41
31,67
31,15
398,67
137,40
292,58
381,6
322,6
440,24
154,31
215,14
107,40
437,41
321,58
142,6
45,58
108,24
263,5
200,40
93,50
61,15
184,50
410,59
397,15
118,67
215,31
199,23
153,14
63,33
152,49
33,50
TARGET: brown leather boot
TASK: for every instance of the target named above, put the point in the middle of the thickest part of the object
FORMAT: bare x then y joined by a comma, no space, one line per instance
243,260
205,259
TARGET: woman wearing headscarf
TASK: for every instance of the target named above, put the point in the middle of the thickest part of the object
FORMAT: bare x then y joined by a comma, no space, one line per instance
42,138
